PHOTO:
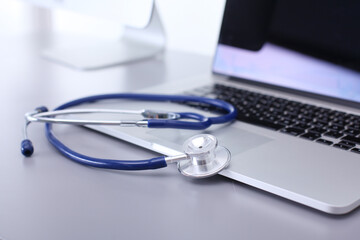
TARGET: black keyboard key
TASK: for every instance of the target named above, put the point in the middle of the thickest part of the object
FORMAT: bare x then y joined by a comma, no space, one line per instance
261,123
301,126
318,124
355,140
311,136
292,114
351,132
334,128
271,118
294,104
338,122
323,141
333,134
342,146
224,97
356,150
338,114
276,105
323,120
303,119
281,100
354,126
350,144
250,98
263,102
318,130
284,121
199,105
324,110
293,131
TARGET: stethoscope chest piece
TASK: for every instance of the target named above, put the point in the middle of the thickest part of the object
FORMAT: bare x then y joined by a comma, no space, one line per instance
206,158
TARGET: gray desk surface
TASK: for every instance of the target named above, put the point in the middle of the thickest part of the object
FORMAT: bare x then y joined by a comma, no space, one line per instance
49,197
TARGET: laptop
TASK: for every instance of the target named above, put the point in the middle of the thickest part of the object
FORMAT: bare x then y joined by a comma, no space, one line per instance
292,69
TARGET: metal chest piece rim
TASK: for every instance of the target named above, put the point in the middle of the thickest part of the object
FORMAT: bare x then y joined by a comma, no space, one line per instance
205,157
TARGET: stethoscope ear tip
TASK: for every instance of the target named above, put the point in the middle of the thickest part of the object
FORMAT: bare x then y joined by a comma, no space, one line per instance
27,148
41,109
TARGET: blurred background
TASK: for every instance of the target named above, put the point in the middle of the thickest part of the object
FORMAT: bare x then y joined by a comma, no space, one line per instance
190,25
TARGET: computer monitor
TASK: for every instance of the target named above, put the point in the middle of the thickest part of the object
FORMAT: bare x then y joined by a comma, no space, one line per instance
143,36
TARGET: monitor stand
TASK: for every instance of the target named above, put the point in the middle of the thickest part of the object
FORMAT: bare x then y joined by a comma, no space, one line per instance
135,45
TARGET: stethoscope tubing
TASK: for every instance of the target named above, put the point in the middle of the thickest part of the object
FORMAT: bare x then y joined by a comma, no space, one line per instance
165,123
153,163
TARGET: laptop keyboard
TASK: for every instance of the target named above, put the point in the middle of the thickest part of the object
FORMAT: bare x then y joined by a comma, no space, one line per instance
322,125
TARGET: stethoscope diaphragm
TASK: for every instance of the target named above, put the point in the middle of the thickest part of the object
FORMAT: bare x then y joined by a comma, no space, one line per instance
205,157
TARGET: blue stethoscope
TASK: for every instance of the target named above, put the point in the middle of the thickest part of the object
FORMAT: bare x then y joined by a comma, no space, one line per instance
202,156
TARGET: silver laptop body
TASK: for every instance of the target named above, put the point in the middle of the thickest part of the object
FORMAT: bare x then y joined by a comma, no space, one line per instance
308,172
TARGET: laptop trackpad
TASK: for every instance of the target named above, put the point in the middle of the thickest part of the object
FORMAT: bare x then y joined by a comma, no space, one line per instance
235,139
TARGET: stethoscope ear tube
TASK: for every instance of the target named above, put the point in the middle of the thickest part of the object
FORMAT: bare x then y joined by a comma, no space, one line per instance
201,123
27,148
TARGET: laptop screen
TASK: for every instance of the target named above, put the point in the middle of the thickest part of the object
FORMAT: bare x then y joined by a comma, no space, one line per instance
305,45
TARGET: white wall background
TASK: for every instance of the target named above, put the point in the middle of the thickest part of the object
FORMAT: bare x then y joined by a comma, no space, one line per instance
190,25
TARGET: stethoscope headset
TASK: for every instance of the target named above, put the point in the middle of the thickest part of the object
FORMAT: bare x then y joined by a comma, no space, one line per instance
202,156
